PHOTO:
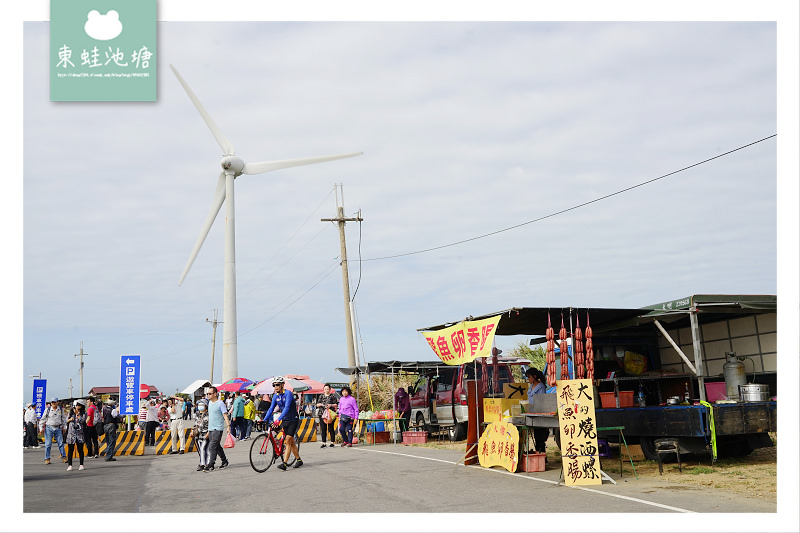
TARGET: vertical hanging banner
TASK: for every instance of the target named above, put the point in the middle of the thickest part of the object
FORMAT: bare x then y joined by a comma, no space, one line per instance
465,341
577,424
39,394
129,385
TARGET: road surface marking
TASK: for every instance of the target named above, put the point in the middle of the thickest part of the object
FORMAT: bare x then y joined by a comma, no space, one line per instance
587,489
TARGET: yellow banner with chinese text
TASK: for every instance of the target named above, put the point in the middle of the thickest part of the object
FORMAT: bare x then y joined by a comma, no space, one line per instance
499,446
465,341
578,429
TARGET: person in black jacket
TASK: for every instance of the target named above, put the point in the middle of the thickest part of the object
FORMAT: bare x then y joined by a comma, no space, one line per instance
110,419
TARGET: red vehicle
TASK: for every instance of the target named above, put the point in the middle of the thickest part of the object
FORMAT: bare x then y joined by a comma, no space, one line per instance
439,396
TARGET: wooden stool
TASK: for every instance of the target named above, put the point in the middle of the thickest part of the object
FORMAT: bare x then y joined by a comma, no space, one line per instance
665,446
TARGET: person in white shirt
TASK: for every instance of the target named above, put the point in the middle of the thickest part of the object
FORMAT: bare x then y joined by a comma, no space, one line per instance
31,439
175,414
151,423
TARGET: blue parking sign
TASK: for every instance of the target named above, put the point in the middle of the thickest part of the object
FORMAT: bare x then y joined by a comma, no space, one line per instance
129,384
39,392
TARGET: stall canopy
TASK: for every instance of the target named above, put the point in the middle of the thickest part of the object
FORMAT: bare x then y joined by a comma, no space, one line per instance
533,320
200,383
710,307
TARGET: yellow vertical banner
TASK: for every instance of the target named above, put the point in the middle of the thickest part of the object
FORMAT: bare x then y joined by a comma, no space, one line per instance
499,446
465,341
578,428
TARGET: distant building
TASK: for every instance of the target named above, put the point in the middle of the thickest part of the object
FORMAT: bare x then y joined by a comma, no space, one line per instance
114,391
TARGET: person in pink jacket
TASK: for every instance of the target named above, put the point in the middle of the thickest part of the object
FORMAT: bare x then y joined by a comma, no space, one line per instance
348,413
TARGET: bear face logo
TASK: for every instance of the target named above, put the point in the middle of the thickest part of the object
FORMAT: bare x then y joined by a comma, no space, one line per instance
103,27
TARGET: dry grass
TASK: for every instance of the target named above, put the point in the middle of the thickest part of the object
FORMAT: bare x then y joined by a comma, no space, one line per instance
380,394
755,475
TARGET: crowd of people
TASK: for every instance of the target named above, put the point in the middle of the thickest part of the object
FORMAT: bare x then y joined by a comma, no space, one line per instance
75,425
210,419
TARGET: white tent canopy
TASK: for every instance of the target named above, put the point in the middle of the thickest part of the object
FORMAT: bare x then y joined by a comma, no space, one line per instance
191,389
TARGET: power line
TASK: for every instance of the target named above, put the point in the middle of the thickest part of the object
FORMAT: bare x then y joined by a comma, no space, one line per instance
568,209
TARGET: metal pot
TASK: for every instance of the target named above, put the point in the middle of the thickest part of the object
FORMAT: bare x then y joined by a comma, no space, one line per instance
673,400
754,392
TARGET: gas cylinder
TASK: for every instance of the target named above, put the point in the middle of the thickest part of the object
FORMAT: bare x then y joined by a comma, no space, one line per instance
734,376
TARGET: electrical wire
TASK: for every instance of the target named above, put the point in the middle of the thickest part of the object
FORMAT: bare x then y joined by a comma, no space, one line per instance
574,207
329,270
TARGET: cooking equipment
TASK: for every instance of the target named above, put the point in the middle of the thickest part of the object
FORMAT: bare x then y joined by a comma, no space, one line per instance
754,392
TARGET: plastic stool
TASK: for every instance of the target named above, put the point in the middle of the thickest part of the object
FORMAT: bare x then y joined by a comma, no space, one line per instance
603,448
666,446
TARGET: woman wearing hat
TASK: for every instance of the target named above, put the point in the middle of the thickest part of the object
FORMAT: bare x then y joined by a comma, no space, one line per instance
75,436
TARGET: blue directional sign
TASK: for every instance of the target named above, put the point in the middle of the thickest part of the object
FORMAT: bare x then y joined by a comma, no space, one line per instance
129,384
39,395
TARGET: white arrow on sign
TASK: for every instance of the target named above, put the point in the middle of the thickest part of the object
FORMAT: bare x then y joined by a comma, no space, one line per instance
129,361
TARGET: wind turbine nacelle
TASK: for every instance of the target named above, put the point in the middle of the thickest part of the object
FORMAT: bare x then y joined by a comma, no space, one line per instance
232,164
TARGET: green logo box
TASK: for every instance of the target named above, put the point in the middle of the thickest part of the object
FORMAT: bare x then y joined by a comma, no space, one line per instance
103,50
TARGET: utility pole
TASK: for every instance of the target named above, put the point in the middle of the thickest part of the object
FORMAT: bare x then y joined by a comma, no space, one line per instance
81,356
213,343
340,219
70,387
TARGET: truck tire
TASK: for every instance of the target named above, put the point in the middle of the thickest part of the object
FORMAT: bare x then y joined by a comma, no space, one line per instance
422,425
457,432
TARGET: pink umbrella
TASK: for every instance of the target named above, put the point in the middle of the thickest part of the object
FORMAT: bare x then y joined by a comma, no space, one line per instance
294,385
235,384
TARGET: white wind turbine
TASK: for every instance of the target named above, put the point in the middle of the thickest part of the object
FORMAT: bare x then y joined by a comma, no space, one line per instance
232,167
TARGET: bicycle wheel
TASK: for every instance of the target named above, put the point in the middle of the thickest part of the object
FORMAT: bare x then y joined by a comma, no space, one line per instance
262,453
292,458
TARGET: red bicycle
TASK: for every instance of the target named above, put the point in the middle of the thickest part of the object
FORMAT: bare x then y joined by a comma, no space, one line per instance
267,448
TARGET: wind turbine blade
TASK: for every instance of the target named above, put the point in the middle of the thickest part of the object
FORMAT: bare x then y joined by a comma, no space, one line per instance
219,197
223,141
266,166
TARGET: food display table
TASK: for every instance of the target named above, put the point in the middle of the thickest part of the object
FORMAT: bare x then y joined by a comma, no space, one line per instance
369,426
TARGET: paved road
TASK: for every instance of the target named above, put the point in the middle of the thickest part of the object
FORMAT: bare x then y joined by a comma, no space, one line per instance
383,478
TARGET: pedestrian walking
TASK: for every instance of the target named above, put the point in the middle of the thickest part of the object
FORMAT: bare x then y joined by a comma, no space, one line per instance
110,421
185,421
94,417
249,416
238,425
31,433
218,423
53,423
76,433
201,433
348,413
327,404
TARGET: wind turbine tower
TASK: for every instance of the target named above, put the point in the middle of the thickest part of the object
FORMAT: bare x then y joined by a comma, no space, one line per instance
233,167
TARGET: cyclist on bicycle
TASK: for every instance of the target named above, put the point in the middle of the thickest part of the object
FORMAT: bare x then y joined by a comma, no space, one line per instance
283,402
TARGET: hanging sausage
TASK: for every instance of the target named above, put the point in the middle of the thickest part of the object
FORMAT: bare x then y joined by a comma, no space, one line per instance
589,350
580,371
550,354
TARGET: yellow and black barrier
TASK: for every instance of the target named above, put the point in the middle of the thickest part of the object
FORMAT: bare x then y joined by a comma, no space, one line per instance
164,441
128,443
306,430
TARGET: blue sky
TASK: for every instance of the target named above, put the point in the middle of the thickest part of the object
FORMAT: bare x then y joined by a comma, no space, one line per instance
467,128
